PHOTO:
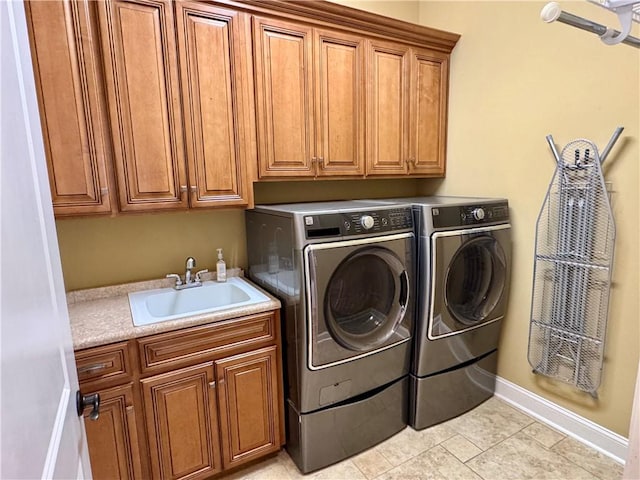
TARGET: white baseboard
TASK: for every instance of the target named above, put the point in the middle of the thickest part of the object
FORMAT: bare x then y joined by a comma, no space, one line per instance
563,420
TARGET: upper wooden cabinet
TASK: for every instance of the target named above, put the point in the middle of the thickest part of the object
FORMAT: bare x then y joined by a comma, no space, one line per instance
183,104
428,112
141,69
407,110
339,103
72,111
154,105
284,98
310,100
388,127
217,92
366,97
179,138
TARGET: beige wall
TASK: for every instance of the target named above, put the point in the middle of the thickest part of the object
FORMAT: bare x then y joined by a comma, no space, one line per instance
515,80
407,10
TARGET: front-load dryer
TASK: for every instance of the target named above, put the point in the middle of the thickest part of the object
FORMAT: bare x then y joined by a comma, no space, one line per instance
463,269
344,272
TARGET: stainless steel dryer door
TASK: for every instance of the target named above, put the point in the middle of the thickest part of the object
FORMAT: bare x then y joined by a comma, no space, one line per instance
470,278
357,296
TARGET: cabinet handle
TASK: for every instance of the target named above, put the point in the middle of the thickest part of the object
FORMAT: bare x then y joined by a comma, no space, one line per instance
321,161
84,401
104,191
193,188
314,160
212,384
93,368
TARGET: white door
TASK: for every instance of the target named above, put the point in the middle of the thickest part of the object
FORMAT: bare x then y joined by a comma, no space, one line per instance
41,434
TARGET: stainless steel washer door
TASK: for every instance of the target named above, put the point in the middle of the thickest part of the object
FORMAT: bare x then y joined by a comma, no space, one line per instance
358,294
470,278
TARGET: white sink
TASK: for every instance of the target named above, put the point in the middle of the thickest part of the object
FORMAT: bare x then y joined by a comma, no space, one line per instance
162,304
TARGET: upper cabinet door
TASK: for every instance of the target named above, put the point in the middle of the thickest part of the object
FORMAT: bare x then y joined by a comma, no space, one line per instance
428,128
64,50
388,108
215,57
284,97
340,103
141,69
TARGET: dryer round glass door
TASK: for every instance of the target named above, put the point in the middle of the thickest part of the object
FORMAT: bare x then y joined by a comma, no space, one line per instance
358,297
470,279
475,280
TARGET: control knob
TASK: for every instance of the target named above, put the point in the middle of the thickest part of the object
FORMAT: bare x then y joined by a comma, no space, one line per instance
478,213
367,221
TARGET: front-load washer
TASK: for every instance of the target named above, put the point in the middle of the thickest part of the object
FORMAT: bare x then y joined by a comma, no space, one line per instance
464,265
344,273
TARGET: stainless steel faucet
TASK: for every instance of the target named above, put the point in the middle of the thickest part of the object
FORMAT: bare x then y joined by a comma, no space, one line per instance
190,280
190,264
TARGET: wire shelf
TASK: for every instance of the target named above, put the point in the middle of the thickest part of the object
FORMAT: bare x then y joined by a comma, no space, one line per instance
615,5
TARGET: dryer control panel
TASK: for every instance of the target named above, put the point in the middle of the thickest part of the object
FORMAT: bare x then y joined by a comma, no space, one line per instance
462,215
358,223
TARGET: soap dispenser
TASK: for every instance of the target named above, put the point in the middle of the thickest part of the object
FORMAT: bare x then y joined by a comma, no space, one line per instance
221,268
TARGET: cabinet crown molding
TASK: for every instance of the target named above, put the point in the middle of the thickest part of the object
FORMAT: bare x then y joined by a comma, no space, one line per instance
321,12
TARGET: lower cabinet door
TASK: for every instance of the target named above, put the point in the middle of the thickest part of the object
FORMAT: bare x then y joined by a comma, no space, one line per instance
113,440
249,405
180,413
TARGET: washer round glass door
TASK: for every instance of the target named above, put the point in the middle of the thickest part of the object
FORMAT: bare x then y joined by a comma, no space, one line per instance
359,295
361,304
470,280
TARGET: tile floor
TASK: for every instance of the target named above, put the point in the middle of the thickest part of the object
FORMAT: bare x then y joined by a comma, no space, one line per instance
492,442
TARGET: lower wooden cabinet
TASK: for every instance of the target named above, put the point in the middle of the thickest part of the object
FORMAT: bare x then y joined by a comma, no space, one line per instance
182,422
114,449
213,402
248,399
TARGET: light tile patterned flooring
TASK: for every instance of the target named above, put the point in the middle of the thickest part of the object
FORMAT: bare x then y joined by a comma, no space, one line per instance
494,441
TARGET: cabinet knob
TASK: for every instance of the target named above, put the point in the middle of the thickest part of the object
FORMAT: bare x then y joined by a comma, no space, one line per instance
104,191
84,401
212,384
193,188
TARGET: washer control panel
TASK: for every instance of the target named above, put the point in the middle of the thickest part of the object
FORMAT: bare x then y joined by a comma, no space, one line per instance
358,223
462,215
